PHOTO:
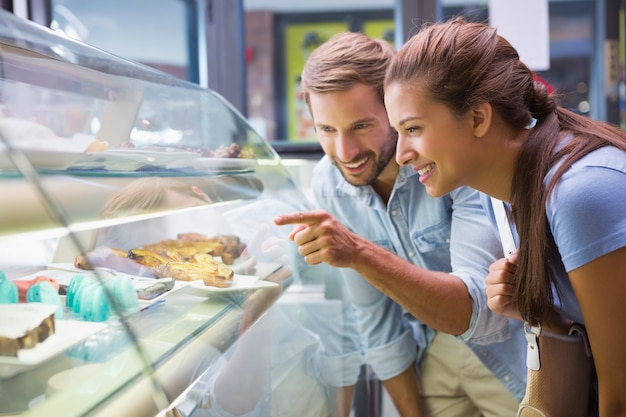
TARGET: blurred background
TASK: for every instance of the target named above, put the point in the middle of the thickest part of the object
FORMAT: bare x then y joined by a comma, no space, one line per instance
252,51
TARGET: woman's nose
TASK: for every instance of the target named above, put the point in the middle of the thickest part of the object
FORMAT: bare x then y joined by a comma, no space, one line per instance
404,153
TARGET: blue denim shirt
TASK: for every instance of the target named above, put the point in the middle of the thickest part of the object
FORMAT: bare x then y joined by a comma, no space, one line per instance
449,234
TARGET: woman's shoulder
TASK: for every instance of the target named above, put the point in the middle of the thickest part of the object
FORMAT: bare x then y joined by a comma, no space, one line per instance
601,174
606,157
588,205
593,170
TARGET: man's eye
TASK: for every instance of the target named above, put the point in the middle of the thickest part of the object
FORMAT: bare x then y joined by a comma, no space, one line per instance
360,126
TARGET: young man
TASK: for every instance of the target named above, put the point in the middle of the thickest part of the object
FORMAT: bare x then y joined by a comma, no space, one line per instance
414,266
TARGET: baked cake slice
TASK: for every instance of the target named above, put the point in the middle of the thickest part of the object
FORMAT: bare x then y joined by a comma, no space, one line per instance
24,325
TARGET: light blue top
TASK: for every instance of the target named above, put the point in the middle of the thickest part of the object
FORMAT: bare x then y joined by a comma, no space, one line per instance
587,216
449,234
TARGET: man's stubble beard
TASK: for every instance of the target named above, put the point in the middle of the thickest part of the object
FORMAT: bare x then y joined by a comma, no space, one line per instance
387,153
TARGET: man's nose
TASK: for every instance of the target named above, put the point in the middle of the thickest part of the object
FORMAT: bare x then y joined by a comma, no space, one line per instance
347,147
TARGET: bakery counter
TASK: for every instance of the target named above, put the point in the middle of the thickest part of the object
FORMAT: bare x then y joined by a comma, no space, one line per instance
137,367
150,168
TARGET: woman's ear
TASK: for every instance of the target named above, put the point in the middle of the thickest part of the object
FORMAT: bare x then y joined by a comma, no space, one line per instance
482,117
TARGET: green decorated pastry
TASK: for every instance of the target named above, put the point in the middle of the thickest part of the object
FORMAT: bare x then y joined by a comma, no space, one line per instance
8,290
124,293
44,292
71,290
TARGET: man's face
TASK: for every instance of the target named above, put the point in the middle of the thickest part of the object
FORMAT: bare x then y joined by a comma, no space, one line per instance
354,132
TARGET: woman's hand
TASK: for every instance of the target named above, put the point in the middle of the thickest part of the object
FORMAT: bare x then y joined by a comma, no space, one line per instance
500,287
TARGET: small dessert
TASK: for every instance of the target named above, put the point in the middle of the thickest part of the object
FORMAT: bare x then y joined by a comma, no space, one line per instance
156,288
200,267
71,290
24,325
8,290
124,293
95,305
92,300
24,285
97,145
45,292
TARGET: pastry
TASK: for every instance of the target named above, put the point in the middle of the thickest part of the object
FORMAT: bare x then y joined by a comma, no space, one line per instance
94,305
71,290
99,257
153,258
97,146
8,290
44,292
154,289
24,325
24,285
200,267
124,293
82,292
91,299
189,257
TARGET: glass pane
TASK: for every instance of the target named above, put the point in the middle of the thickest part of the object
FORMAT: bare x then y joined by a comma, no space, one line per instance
153,32
101,159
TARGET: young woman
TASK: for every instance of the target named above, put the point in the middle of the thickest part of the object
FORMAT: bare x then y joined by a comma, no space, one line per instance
469,113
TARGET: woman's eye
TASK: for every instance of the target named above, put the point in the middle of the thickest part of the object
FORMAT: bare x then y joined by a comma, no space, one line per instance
412,129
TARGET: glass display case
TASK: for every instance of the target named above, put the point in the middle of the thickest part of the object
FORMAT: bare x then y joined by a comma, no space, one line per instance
140,268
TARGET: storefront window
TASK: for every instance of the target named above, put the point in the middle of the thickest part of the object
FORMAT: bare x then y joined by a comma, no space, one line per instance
279,37
280,34
157,33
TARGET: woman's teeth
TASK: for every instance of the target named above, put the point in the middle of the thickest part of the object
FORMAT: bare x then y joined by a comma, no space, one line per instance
426,169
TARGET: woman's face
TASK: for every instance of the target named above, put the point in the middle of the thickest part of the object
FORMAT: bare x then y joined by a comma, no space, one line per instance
437,143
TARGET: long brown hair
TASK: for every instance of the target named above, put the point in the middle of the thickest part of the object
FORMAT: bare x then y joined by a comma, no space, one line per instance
462,64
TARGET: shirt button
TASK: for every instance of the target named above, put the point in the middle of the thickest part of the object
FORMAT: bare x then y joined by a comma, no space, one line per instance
411,254
448,240
507,378
394,212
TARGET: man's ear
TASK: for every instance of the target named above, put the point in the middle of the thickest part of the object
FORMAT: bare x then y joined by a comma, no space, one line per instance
482,117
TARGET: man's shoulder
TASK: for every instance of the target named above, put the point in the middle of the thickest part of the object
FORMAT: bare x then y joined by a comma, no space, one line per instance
324,166
326,176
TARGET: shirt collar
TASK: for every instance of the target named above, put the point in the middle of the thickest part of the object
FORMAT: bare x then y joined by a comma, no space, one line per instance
361,192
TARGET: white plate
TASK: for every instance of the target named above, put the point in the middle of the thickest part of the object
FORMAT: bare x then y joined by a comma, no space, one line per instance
62,276
143,282
64,272
67,334
240,283
225,164
131,159
52,160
